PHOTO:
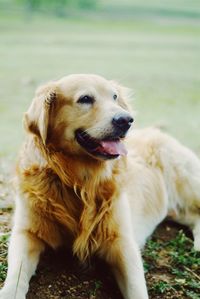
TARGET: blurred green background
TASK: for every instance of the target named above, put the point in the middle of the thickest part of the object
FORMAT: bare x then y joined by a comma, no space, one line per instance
152,47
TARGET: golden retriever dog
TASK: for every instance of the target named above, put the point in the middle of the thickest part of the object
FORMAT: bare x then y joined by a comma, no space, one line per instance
84,183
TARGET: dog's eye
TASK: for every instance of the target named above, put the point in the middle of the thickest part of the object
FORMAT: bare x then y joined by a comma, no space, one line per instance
86,100
114,96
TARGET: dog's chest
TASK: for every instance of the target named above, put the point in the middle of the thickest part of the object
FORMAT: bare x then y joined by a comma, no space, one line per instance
84,214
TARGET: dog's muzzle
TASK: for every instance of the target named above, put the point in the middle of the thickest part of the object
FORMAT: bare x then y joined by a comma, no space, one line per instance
110,146
122,124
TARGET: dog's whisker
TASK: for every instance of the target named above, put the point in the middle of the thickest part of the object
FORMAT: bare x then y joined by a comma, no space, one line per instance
93,130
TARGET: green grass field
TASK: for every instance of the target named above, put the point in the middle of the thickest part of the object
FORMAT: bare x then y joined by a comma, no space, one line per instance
157,57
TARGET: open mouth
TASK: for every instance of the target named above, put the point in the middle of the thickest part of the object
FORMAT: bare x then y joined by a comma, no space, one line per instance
108,148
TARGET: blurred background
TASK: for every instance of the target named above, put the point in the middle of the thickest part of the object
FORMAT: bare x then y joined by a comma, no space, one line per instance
151,46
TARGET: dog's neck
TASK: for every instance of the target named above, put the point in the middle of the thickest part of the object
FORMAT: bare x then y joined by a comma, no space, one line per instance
96,185
77,170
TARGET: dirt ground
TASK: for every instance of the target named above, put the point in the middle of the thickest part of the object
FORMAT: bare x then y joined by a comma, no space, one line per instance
61,276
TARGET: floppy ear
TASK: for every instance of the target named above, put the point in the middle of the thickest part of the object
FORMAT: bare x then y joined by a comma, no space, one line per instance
36,119
125,97
125,94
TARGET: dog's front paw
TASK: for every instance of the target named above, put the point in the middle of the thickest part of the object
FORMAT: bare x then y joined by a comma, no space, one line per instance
5,294
197,243
10,293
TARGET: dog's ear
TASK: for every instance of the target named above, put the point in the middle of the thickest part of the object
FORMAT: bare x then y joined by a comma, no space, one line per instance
125,95
37,118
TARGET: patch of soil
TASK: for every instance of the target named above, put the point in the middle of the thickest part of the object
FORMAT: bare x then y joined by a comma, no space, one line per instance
165,232
60,275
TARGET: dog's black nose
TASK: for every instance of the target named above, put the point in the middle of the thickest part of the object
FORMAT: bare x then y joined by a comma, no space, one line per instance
122,122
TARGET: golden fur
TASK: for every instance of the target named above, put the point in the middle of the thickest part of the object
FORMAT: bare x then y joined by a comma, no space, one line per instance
104,207
87,216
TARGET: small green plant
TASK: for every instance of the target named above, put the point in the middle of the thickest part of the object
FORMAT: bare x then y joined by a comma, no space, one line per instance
161,287
152,249
192,295
180,273
3,270
97,286
184,255
3,256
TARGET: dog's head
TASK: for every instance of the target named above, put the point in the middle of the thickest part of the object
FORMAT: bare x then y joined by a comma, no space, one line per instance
81,114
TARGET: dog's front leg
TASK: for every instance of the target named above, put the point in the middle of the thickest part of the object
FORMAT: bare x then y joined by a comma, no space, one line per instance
122,252
196,234
124,257
23,257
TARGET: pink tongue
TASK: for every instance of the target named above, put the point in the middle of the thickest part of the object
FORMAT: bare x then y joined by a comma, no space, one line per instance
113,148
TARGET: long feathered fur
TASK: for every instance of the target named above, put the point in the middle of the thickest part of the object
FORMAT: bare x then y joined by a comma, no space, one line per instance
82,205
